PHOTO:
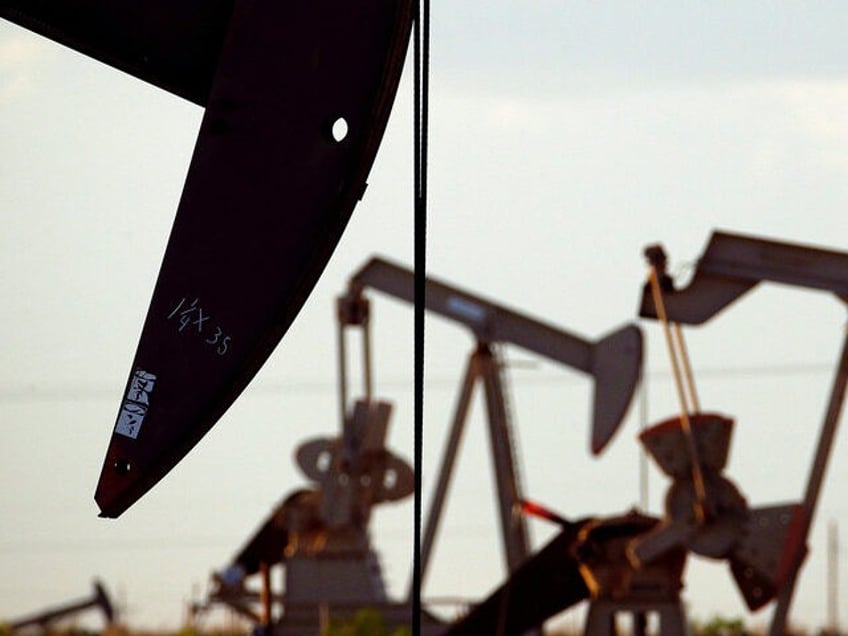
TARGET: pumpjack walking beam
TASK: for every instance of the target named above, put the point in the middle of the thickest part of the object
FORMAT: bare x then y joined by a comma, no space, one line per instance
614,361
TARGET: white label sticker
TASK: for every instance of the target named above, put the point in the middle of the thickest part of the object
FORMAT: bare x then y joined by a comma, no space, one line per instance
135,405
130,419
141,387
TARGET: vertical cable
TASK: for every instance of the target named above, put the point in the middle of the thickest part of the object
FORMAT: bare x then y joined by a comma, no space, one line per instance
421,33
697,472
687,367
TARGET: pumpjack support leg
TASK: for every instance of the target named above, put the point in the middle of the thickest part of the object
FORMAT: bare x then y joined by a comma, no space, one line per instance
602,613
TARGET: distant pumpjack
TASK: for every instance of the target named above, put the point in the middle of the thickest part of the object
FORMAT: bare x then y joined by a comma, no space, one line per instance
613,362
43,619
634,563
766,547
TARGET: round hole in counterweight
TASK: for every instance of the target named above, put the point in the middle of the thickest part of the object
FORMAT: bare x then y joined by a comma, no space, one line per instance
339,129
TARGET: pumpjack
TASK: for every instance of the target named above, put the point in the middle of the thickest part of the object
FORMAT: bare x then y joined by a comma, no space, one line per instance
320,534
44,619
765,547
634,563
612,362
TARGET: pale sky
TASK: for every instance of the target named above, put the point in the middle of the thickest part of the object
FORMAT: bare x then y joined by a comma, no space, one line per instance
564,138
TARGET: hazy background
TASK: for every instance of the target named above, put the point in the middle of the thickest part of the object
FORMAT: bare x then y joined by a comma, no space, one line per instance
565,136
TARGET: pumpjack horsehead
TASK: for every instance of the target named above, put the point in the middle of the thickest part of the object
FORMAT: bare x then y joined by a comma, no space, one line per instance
296,99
